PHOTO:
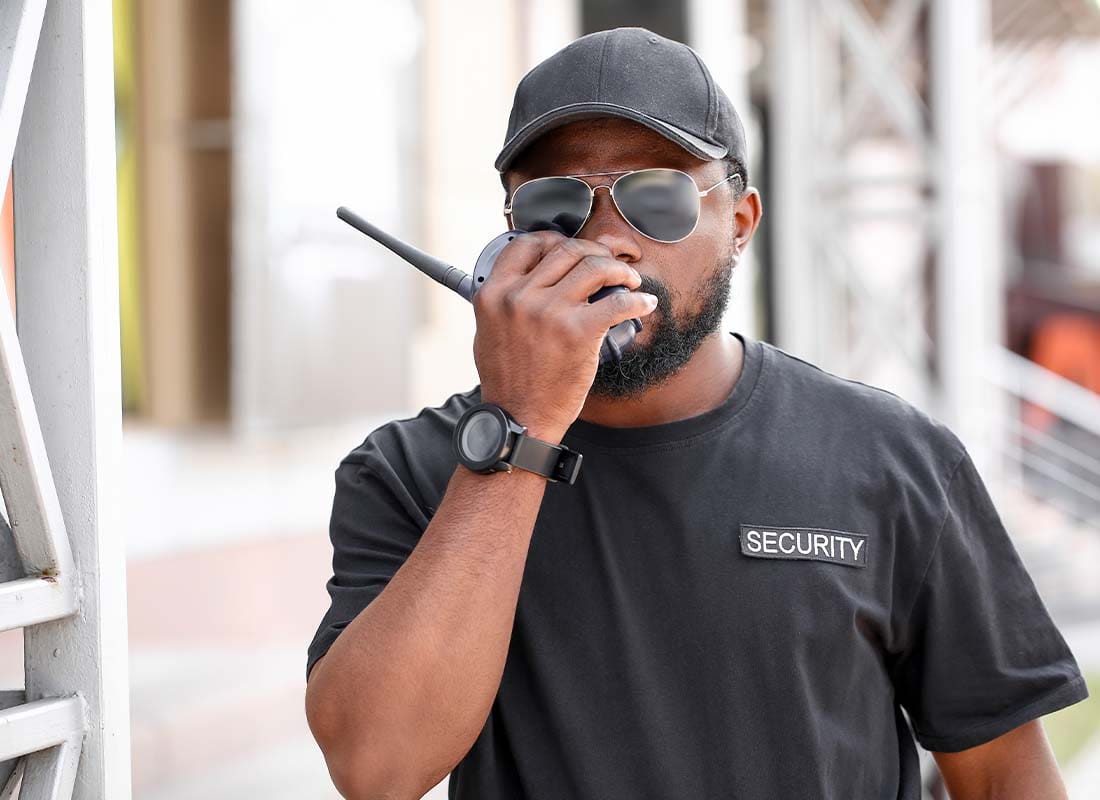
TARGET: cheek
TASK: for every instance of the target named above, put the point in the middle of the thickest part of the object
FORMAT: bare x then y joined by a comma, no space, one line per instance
716,224
713,241
676,283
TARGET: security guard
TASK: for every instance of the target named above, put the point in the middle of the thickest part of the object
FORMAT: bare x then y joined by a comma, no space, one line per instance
707,569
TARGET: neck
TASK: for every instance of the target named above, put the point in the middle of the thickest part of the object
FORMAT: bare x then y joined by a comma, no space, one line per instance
705,382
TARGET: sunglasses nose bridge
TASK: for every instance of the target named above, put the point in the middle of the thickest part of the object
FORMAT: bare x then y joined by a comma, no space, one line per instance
595,189
614,204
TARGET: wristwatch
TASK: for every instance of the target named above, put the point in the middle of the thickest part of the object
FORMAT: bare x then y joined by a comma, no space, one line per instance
487,439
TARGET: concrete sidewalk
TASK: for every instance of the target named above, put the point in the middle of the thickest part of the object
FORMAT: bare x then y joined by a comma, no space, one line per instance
1082,774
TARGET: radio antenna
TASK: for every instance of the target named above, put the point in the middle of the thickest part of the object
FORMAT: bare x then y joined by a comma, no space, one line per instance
452,277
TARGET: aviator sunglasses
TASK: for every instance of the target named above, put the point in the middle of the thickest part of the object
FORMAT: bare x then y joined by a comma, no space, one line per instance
659,203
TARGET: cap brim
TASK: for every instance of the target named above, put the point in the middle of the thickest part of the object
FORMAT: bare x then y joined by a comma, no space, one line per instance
563,115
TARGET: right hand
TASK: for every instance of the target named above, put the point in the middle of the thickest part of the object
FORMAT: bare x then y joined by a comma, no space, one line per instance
538,339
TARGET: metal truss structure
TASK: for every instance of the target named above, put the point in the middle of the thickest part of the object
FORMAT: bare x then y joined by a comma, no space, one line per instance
66,734
885,251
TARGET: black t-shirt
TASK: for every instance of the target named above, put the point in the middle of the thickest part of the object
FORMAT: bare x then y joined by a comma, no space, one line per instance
737,604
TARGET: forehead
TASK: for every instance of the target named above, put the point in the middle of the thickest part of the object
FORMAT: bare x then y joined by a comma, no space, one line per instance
604,144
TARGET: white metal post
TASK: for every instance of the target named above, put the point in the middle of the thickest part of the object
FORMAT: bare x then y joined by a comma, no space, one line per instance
716,30
67,295
790,133
45,586
969,273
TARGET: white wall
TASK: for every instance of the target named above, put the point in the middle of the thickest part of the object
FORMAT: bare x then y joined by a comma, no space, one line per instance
471,67
325,114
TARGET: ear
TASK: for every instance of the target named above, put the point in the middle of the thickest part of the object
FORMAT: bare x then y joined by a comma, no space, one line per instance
746,215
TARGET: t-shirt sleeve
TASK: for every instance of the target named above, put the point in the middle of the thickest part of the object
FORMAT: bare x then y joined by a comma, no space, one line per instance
373,528
981,654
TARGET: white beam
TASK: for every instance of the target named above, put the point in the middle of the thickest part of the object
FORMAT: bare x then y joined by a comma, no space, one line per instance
20,24
30,601
968,284
1034,383
13,777
67,292
30,496
35,726
790,120
717,31
867,46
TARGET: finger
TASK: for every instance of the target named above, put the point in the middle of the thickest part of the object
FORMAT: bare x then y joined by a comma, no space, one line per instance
561,258
522,254
609,311
592,273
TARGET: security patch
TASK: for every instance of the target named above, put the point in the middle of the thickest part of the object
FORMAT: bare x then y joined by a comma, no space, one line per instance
816,544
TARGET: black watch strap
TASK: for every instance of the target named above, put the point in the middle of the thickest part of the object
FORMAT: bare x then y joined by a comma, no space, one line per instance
553,461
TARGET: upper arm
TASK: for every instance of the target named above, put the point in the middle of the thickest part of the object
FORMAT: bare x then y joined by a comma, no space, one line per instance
1016,764
375,525
312,700
311,686
978,655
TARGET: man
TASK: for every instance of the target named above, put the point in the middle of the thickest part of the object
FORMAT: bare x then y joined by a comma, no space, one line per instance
758,566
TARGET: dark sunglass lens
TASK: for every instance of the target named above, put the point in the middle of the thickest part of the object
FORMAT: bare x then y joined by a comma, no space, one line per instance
560,204
661,203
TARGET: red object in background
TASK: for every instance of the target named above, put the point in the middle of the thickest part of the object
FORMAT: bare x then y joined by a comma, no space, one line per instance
1069,345
7,245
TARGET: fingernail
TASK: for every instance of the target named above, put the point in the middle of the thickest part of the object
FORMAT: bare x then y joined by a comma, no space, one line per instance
650,298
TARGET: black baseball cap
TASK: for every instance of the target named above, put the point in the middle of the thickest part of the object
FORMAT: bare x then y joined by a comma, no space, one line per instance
631,73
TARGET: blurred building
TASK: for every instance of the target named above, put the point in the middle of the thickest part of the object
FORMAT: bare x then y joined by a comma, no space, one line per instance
251,123
262,338
259,311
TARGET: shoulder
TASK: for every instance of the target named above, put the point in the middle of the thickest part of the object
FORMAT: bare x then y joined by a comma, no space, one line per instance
412,455
422,434
873,425
891,463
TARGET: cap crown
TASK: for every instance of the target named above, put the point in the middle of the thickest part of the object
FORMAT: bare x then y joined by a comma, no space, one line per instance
631,73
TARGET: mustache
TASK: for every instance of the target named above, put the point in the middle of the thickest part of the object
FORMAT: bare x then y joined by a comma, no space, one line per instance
659,289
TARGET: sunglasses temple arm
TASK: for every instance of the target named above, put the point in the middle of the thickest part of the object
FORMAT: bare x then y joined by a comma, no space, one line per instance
453,278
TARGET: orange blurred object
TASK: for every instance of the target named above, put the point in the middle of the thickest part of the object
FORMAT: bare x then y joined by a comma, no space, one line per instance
7,244
1069,345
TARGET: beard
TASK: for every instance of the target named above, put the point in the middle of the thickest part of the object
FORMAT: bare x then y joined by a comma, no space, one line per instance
673,342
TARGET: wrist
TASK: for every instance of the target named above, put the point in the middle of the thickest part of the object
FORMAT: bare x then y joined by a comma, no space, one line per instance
543,431
538,427
488,438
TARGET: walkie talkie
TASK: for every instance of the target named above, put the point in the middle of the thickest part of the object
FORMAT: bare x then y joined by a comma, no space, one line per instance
616,339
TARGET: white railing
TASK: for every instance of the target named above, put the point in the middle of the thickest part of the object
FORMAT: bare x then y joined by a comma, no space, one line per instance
1069,468
1029,381
66,733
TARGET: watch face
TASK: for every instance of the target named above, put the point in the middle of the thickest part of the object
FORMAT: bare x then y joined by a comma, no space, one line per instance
482,436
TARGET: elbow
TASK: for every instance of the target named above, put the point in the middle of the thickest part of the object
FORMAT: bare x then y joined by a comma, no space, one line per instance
358,770
359,776
359,773
356,780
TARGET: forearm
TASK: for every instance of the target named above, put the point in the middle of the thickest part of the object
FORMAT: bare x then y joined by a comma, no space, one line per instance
405,689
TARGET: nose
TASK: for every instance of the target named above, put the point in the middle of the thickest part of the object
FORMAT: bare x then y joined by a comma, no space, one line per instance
606,225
